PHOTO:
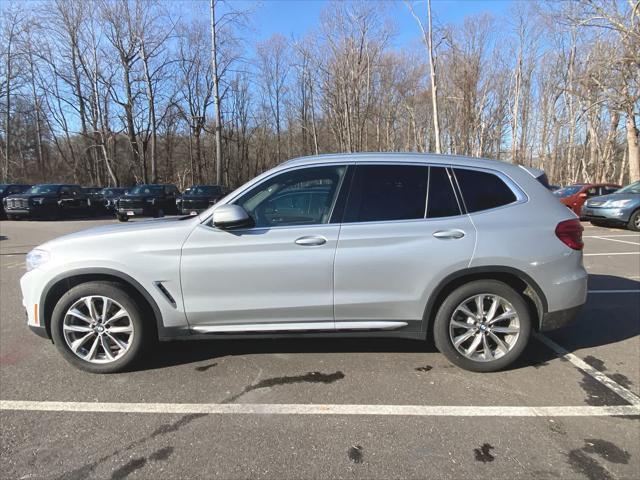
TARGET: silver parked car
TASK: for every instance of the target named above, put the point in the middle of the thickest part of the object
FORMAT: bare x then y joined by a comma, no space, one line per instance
475,252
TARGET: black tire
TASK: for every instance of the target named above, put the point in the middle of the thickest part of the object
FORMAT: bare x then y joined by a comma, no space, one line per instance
634,221
10,217
122,218
142,331
443,317
158,213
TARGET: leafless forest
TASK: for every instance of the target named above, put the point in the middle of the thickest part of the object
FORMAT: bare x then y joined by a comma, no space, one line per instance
116,92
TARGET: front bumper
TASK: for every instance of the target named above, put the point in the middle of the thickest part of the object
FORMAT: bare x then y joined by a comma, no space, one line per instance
606,214
137,212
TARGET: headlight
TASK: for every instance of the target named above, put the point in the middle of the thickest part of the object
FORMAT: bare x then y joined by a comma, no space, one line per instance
37,257
37,200
616,203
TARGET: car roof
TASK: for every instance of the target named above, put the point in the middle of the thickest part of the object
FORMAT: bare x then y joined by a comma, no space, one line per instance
400,157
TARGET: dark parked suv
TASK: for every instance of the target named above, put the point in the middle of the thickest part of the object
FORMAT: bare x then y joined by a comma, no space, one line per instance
148,201
7,189
110,197
198,198
51,201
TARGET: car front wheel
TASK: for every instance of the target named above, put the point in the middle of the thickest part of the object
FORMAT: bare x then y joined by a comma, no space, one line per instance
482,326
634,221
97,327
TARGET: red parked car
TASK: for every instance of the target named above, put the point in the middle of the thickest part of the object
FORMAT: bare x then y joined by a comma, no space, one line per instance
574,196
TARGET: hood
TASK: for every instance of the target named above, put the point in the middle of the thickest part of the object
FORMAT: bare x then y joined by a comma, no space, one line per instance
597,201
33,195
150,228
199,197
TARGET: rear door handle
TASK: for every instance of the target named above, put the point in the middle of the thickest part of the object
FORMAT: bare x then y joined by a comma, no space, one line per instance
449,234
311,241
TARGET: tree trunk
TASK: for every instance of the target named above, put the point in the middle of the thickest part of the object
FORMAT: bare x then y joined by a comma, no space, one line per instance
152,114
633,147
216,95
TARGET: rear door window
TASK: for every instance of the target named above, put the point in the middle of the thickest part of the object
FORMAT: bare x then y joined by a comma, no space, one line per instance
442,200
387,192
483,190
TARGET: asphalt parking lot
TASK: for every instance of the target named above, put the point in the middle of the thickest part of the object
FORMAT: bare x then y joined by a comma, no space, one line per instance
307,408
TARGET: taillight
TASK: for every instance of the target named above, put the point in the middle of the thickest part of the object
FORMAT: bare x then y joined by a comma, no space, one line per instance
570,232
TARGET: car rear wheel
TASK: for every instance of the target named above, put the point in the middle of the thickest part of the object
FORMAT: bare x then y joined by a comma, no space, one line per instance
122,218
97,327
634,221
159,213
482,326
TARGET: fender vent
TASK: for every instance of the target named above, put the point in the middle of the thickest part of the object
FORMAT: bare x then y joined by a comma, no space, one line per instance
166,294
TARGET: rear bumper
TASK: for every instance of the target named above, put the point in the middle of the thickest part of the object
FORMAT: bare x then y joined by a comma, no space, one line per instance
559,319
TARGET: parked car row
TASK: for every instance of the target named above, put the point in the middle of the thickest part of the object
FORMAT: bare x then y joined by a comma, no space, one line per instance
604,204
54,201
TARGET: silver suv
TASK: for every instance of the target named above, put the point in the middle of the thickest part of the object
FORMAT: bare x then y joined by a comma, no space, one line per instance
475,252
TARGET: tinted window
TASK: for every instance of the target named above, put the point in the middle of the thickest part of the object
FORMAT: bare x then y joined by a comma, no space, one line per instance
387,192
299,197
442,199
482,190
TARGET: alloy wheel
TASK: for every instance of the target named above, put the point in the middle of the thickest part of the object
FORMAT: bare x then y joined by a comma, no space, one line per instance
98,329
484,327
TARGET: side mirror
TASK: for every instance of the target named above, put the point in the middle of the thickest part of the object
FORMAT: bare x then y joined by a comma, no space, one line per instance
231,216
582,195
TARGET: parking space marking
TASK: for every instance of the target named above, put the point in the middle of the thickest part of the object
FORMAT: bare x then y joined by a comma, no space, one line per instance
614,291
321,409
612,236
615,387
612,253
616,240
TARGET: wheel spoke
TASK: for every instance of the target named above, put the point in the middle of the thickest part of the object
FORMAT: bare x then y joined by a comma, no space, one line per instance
462,338
123,346
77,328
92,311
488,354
501,344
80,341
105,347
492,309
106,304
504,316
479,305
94,348
507,330
474,345
467,312
456,324
124,329
78,314
118,315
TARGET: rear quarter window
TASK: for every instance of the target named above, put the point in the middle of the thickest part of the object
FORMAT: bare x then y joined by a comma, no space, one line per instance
483,190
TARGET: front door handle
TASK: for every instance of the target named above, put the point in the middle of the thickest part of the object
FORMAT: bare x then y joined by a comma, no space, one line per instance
449,234
311,241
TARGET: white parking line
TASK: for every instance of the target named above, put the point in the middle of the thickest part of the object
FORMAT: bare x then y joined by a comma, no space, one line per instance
608,236
320,409
607,254
622,392
616,240
614,291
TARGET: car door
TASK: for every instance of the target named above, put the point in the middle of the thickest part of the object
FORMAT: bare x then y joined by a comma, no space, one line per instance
275,276
403,231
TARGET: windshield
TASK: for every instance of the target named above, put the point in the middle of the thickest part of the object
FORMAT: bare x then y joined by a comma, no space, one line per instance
566,191
203,190
113,191
44,189
147,190
631,188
